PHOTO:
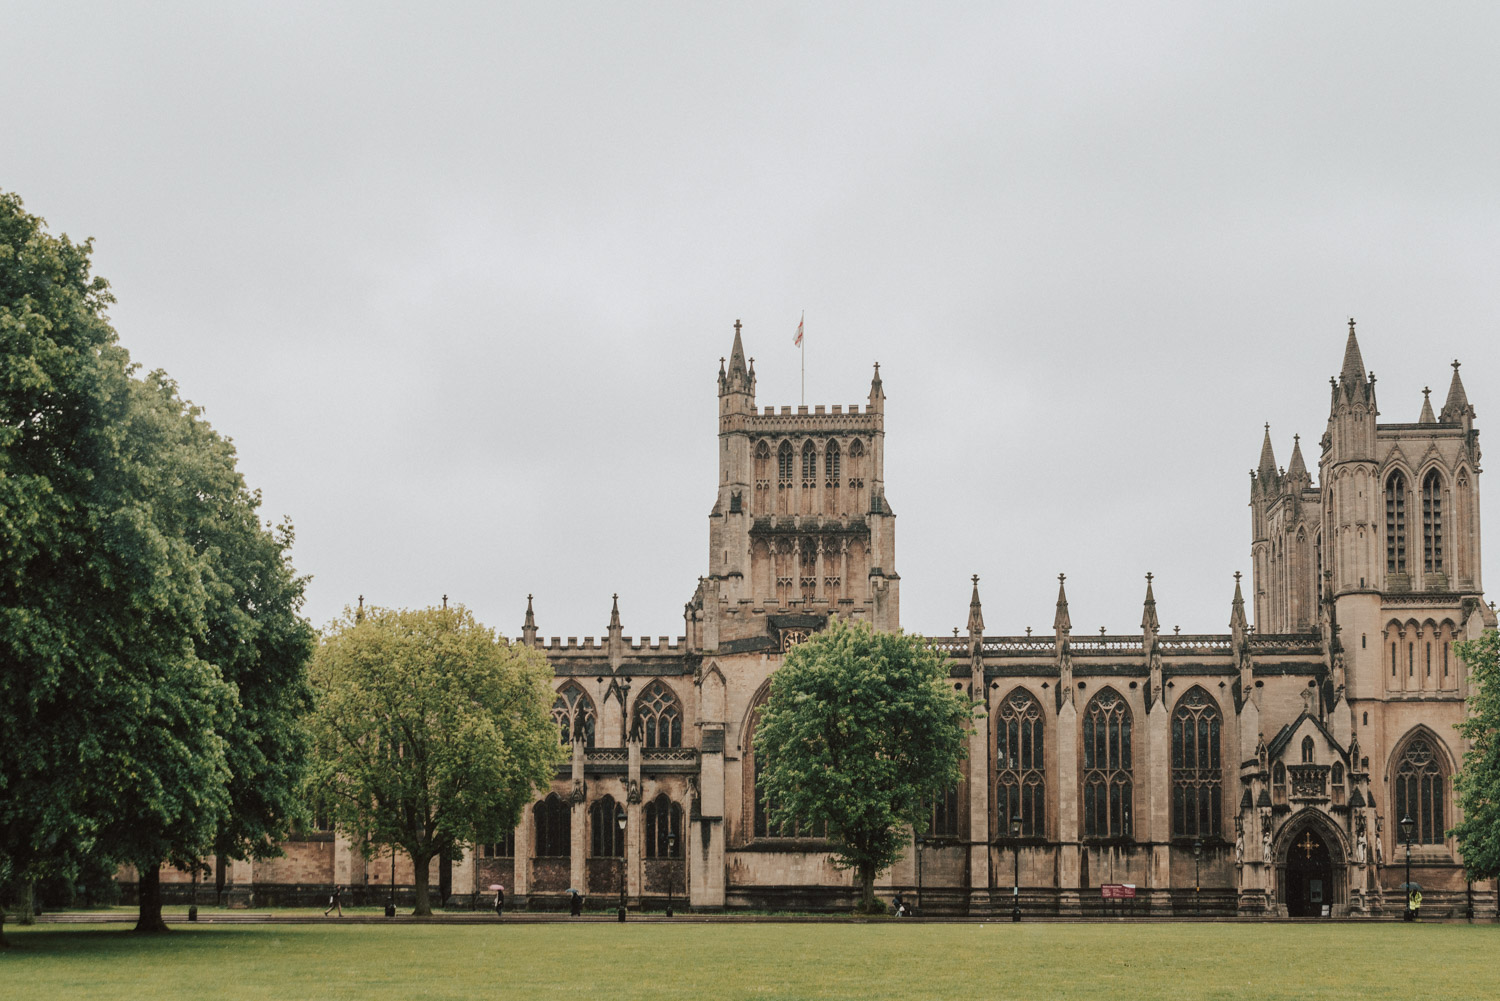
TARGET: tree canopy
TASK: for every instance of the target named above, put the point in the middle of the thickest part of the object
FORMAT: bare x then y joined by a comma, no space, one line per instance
152,656
1478,781
860,731
430,732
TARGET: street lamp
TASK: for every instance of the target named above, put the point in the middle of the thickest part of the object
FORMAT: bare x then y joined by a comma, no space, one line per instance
671,869
1406,828
1197,882
390,908
620,823
1015,889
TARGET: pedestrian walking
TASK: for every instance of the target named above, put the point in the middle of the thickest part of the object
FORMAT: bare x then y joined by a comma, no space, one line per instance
576,908
499,901
335,901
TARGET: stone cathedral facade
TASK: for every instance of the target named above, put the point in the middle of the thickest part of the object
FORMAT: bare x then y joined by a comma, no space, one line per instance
1258,772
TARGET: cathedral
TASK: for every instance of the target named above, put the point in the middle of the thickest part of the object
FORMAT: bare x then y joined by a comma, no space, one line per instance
1260,772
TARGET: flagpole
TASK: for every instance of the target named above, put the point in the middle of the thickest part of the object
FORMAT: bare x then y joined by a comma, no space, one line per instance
802,347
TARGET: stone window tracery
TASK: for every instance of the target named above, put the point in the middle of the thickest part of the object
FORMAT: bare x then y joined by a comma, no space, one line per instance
942,814
608,841
663,820
573,712
784,464
1307,750
1197,771
1419,790
1021,782
1432,522
1108,784
504,848
1395,524
660,714
554,827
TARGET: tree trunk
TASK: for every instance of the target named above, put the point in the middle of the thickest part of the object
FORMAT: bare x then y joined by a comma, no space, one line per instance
25,903
419,868
149,883
3,944
867,903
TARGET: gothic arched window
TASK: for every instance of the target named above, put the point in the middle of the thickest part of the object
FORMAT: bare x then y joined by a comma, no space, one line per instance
1419,790
831,464
1395,524
809,464
1432,523
554,827
1307,750
942,814
663,822
784,463
1108,787
608,841
660,715
1197,772
1021,782
573,712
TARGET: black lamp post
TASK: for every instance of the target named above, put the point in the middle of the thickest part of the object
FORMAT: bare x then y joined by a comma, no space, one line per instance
1015,889
920,842
1406,828
390,908
1197,881
620,822
671,869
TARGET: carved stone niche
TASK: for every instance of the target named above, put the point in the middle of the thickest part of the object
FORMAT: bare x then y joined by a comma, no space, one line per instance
1309,782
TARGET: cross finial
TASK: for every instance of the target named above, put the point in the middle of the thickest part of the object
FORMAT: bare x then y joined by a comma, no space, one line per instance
1148,577
736,326
1028,632
1268,425
445,601
1237,576
1296,439
1176,630
1455,365
1351,324
955,631
1101,630
1426,392
1061,577
976,580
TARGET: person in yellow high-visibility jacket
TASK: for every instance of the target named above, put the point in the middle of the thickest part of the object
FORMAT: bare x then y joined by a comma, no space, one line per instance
1414,902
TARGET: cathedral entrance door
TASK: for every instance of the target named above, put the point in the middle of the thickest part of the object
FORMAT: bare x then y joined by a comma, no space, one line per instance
1309,876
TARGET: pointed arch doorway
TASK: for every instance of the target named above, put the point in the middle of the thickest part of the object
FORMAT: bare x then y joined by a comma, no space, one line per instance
1309,876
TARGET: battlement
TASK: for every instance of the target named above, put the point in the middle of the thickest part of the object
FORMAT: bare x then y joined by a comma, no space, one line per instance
591,644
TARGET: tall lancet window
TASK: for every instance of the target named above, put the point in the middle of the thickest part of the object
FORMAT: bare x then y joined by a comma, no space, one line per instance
1197,772
1395,524
1108,785
1419,791
1432,523
784,464
1021,783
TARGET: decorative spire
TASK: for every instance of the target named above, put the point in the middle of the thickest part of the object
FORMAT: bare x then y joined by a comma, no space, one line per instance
1354,366
1062,623
1149,622
877,391
1426,417
737,379
528,628
1297,468
1458,401
359,614
614,615
1237,621
1267,471
976,617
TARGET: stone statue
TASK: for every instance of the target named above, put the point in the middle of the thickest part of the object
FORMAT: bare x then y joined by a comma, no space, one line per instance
1265,845
1361,848
1239,848
1379,850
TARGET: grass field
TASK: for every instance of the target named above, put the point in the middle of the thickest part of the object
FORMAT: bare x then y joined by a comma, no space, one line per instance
1349,962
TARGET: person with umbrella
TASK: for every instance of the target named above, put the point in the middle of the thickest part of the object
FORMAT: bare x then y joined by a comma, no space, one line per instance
576,908
499,899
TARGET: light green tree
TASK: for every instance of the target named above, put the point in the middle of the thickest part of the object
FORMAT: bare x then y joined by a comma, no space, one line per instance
860,730
430,732
1478,781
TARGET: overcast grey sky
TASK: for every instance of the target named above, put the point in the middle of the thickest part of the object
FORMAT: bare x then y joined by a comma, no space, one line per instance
456,277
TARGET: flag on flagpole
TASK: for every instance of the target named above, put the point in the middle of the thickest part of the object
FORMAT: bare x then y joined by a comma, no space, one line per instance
797,341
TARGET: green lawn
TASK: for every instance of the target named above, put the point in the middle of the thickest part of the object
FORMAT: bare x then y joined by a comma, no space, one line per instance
726,961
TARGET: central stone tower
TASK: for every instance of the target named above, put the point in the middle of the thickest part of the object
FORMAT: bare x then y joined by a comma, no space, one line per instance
801,522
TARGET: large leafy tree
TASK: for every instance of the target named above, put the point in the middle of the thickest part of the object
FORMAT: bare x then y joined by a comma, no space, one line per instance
1478,781
151,654
430,732
860,730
